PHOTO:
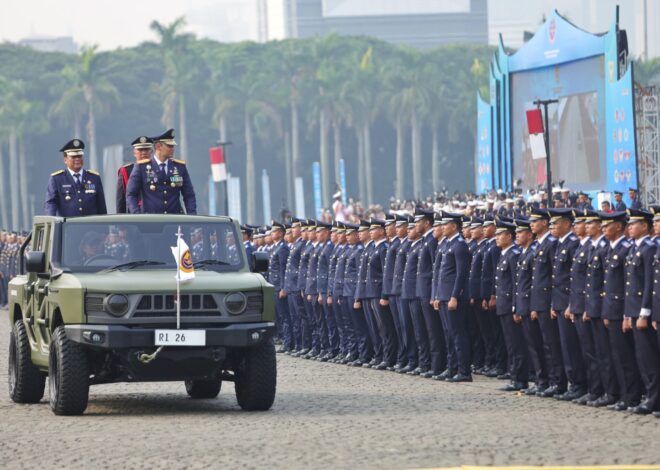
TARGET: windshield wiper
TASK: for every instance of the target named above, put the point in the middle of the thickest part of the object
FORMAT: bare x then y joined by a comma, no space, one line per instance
131,265
209,262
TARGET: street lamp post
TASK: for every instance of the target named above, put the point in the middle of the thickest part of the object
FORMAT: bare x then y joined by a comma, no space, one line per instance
546,138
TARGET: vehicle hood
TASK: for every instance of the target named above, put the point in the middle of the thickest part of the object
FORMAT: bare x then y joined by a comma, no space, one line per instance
141,281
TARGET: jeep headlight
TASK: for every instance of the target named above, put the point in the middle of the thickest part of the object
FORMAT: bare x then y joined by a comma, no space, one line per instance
116,304
235,303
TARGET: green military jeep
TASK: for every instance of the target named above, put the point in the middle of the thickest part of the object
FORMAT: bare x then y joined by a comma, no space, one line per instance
96,302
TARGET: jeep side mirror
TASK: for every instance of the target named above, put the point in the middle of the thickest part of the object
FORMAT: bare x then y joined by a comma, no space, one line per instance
259,262
35,262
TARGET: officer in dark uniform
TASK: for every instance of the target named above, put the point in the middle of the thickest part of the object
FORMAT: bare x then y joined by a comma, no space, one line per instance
376,299
478,353
326,313
453,293
491,256
291,293
363,346
276,275
74,191
567,244
619,205
638,303
311,295
161,182
360,293
480,314
348,334
142,149
436,339
522,307
409,294
390,300
592,318
337,249
407,342
575,313
307,230
505,291
246,233
614,288
452,366
655,306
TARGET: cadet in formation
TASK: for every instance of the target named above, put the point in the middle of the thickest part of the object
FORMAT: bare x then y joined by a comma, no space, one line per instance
562,304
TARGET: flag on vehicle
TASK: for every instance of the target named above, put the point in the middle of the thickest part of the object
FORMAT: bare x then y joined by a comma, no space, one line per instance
184,262
218,167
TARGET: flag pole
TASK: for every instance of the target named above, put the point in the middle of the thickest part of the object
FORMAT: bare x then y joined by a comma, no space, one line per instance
178,280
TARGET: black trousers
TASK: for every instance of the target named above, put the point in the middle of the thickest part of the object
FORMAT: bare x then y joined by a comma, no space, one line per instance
499,347
436,337
516,347
387,331
458,324
363,345
351,346
421,335
535,350
648,360
401,356
486,332
410,342
571,352
450,340
623,352
552,350
331,323
285,330
374,332
478,353
608,375
310,311
587,342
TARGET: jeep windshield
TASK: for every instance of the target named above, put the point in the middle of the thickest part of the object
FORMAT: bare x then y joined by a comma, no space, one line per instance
96,247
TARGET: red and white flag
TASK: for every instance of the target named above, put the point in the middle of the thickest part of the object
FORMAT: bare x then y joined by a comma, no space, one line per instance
536,136
218,167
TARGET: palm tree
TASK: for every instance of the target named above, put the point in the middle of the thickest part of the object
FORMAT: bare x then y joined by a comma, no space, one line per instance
70,107
177,58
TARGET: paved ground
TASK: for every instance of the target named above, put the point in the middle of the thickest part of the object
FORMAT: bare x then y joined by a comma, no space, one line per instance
325,416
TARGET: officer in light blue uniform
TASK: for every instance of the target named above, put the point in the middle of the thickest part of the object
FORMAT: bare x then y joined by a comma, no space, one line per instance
74,191
161,181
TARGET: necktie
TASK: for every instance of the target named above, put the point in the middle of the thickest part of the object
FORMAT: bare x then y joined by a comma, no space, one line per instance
77,176
162,168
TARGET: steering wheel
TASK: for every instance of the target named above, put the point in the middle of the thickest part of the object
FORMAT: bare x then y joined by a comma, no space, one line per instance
96,260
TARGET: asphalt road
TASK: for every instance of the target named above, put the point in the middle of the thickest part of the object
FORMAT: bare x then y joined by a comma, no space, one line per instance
325,416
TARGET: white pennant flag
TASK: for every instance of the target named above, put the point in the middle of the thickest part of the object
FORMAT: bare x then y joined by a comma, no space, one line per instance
184,262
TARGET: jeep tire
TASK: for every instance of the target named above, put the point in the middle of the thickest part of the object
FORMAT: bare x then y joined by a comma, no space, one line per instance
26,382
203,388
68,375
256,377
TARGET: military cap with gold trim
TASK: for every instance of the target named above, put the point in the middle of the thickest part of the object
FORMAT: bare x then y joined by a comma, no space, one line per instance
142,142
376,223
322,226
421,214
522,225
504,226
296,222
401,220
350,228
275,225
539,214
609,217
390,219
591,216
166,137
558,214
364,225
639,215
73,148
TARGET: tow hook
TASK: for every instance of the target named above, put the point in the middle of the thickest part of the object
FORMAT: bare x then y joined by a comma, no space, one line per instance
147,358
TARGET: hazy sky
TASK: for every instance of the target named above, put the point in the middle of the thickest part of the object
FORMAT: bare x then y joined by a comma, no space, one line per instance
109,23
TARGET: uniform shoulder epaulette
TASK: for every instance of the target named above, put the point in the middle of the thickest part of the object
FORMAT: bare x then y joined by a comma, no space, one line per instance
573,237
602,243
94,172
58,172
515,250
650,242
128,164
625,243
143,161
551,238
181,162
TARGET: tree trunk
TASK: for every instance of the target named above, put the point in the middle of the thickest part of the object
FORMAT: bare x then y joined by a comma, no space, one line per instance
182,128
368,167
23,174
435,158
336,134
295,139
250,184
77,125
91,138
362,186
13,179
288,171
323,151
4,221
400,169
416,155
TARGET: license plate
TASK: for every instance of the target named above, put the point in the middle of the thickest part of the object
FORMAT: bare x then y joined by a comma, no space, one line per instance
180,338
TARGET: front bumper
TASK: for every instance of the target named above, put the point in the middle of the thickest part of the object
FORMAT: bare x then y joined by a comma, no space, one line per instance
122,337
